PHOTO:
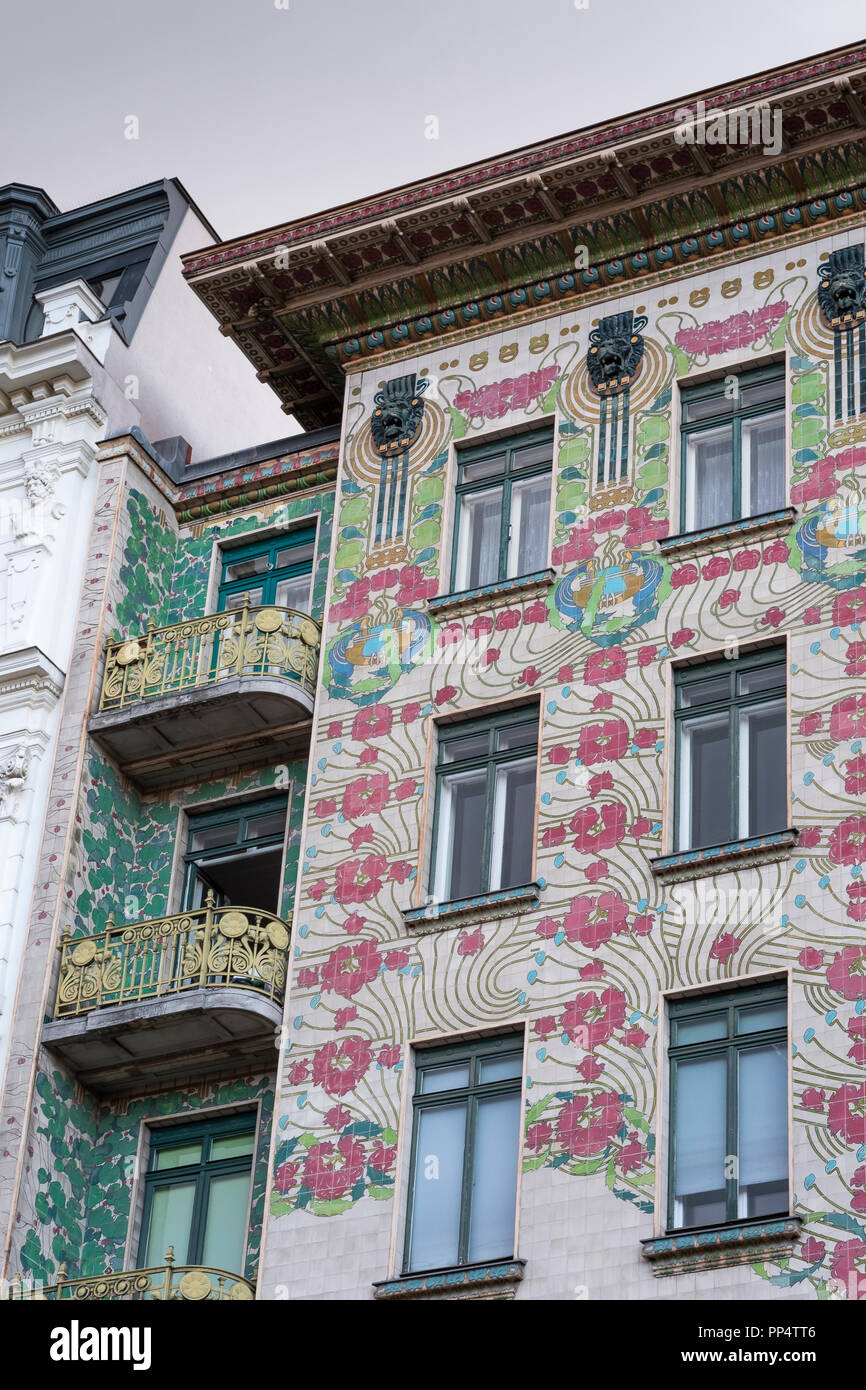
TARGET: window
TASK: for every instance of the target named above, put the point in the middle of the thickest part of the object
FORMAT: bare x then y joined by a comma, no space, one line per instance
731,750
236,853
733,449
729,1107
503,505
485,804
276,571
197,1194
465,1149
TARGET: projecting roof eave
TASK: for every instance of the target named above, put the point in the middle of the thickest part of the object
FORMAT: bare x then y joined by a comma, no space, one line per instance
497,239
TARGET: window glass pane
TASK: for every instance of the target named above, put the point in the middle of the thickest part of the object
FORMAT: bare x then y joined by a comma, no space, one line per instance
706,408
533,456
215,836
232,1145
170,1222
518,736
699,1141
513,819
763,1131
458,750
274,823
294,593
773,390
763,461
437,1187
177,1156
444,1078
705,813
704,1029
530,508
226,1230
709,478
501,1068
494,1179
762,1016
246,568
294,555
237,600
462,797
480,534
763,678
485,468
704,692
763,781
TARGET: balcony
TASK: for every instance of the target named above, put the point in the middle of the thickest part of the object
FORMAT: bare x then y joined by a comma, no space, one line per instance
162,1283
209,696
170,1001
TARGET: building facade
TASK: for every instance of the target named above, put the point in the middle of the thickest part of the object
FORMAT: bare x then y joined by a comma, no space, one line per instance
573,822
97,335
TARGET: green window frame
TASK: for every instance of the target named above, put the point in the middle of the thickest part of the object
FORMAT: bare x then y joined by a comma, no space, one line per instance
247,836
280,562
707,411
508,467
713,1034
493,755
462,1211
173,1166
724,694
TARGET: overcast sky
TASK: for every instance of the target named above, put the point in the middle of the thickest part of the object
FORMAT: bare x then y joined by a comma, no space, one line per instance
268,113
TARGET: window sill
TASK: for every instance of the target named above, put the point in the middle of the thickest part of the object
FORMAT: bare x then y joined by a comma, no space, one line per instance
751,528
715,1247
505,902
524,586
467,1281
696,863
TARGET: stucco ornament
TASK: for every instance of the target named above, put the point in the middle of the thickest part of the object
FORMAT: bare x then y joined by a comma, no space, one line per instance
13,775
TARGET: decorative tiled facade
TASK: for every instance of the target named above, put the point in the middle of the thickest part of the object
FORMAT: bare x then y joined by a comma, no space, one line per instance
580,962
606,935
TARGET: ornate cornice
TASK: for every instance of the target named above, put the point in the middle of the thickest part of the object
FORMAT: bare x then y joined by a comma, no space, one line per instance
243,488
498,241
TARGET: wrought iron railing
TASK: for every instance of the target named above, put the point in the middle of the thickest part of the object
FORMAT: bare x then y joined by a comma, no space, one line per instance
190,1283
241,947
244,641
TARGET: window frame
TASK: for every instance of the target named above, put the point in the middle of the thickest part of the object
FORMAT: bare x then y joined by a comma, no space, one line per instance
474,1052
269,578
201,1174
464,728
735,417
207,820
684,676
510,445
696,1005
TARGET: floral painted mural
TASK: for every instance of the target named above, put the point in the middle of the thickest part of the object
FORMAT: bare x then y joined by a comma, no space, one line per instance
584,967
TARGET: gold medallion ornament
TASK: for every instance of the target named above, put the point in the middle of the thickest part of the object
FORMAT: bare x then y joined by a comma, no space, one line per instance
233,924
129,652
84,953
195,1285
268,620
278,936
242,1292
308,632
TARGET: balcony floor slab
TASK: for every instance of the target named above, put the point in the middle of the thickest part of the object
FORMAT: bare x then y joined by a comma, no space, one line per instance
168,740
189,1037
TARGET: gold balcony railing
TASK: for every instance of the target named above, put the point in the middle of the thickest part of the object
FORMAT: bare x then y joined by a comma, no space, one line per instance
190,1283
241,642
211,947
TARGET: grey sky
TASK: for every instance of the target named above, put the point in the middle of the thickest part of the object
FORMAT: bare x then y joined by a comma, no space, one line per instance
266,114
